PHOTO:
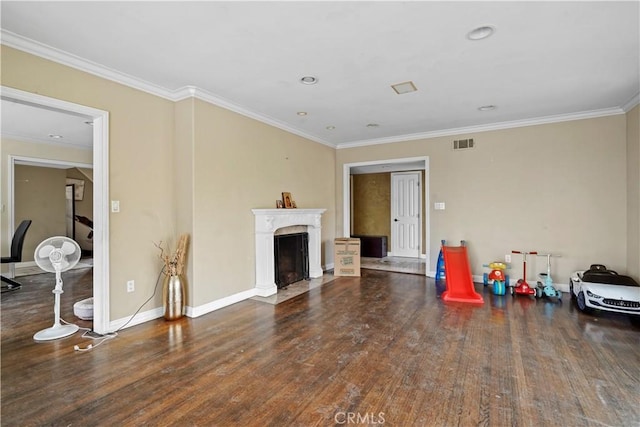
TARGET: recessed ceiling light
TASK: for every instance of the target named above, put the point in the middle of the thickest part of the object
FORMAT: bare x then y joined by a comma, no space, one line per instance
309,80
487,108
301,113
330,127
55,136
373,125
481,33
405,87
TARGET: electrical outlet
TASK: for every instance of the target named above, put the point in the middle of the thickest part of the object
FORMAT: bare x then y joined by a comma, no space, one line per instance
131,286
507,258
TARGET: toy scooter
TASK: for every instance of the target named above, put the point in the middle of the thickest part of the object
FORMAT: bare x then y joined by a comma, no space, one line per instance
545,283
497,277
522,287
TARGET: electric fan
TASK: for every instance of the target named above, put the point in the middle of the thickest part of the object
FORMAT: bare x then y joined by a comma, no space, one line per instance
56,255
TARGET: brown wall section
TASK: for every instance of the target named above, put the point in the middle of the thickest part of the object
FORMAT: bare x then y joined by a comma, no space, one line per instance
372,205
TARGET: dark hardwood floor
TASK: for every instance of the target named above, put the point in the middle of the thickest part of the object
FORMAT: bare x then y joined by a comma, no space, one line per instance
382,349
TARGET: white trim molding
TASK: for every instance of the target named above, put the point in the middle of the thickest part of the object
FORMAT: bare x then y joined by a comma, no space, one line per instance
485,128
100,194
53,54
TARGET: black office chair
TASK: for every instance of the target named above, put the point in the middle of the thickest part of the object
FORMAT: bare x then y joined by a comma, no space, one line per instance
16,255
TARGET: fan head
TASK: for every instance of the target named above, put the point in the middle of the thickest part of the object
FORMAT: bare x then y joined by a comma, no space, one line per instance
57,254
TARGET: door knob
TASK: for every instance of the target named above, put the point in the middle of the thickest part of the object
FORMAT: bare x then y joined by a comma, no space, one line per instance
395,219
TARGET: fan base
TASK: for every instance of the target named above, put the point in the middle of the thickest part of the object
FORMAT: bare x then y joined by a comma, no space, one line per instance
55,332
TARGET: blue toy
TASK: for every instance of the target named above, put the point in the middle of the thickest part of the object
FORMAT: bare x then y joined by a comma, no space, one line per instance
440,275
545,282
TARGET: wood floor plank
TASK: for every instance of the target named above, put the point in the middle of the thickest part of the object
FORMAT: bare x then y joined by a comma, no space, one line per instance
382,349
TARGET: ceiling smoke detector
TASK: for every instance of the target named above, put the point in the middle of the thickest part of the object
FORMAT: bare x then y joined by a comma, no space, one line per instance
404,87
481,33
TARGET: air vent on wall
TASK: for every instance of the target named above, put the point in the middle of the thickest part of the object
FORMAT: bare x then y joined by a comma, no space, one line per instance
463,144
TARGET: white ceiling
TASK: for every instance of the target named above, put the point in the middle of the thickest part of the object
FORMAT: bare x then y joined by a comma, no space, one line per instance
546,61
29,123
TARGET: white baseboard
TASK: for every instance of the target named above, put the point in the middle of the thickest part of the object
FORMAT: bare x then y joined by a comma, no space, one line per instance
139,318
220,303
158,312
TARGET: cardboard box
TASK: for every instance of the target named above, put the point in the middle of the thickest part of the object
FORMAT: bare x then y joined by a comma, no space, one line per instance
346,256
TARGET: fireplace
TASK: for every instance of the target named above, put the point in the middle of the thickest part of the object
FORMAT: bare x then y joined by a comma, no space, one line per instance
291,252
267,222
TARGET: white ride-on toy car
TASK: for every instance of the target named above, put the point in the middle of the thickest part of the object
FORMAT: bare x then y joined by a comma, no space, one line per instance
601,289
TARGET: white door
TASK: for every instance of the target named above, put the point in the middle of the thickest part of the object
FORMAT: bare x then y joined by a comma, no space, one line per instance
405,214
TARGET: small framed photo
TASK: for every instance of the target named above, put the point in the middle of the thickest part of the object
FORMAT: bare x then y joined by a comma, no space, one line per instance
286,199
293,204
279,204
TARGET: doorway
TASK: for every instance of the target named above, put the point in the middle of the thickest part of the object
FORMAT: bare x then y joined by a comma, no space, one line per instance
100,122
402,165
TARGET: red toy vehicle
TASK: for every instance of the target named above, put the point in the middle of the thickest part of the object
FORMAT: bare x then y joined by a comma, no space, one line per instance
523,288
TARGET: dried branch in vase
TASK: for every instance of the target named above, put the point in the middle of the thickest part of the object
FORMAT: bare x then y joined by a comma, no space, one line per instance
174,264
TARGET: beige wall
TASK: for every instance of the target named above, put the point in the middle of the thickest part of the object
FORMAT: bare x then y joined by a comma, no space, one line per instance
141,169
633,193
185,167
40,196
240,164
559,188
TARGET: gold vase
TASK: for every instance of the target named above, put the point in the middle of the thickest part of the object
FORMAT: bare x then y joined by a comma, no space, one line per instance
173,296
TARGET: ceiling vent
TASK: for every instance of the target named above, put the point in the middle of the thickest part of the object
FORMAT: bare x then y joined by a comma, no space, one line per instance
463,144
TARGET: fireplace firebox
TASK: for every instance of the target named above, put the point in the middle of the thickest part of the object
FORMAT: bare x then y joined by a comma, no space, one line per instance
291,253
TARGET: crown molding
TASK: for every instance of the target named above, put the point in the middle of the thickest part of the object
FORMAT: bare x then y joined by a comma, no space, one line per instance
485,128
56,55
202,95
630,104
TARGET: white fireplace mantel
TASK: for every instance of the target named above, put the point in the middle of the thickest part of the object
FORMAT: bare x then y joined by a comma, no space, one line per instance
270,220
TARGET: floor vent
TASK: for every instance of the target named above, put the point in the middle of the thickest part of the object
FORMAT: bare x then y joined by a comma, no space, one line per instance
463,144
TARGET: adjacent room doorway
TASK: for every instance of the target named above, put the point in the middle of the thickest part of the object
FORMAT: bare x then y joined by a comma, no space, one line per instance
100,122
402,165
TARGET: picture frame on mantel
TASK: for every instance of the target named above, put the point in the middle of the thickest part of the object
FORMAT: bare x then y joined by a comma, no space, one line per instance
279,204
286,200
